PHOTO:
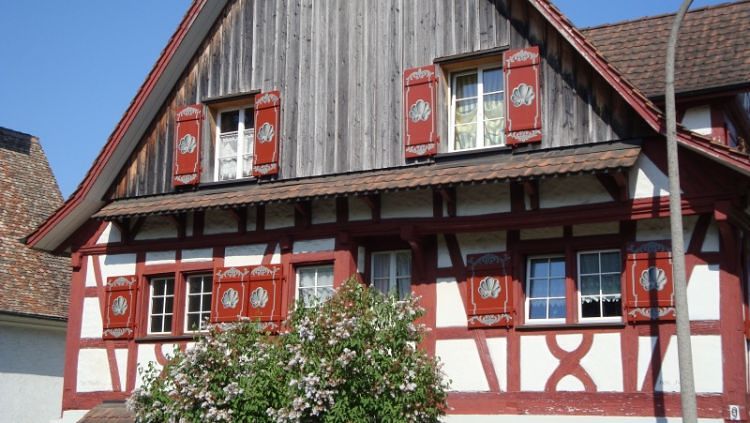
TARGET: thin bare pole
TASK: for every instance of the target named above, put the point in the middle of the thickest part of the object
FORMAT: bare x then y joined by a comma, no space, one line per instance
684,350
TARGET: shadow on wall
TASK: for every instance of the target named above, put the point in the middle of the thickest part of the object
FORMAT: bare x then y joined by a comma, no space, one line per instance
32,351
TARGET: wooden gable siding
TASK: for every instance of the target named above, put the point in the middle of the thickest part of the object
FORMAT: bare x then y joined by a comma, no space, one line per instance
338,65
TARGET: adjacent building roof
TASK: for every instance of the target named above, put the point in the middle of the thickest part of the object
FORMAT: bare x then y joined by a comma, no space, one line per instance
489,168
712,52
109,412
33,282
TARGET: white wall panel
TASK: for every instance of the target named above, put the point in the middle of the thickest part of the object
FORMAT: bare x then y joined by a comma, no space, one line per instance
404,204
498,348
219,222
313,245
279,216
537,363
93,370
160,257
571,191
197,255
703,292
449,310
111,234
461,364
646,180
604,362
91,318
475,200
244,255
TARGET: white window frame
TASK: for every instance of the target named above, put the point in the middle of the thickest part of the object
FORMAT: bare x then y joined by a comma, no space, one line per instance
163,313
392,277
202,308
315,283
600,318
479,70
243,137
527,301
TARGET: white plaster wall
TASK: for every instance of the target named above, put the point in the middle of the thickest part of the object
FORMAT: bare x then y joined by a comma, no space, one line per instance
91,318
703,292
542,233
197,255
121,356
160,257
157,227
313,245
406,204
146,354
604,362
646,345
509,418
571,191
461,364
90,275
645,180
569,342
498,348
481,242
117,265
93,370
444,257
71,416
587,229
252,217
698,119
189,224
31,373
279,216
475,200
658,229
707,364
358,210
449,309
324,211
711,242
244,255
570,383
219,222
537,363
110,235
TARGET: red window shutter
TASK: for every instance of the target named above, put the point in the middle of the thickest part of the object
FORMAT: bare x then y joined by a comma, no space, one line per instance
264,297
523,110
229,293
420,103
267,131
490,296
120,307
187,156
648,282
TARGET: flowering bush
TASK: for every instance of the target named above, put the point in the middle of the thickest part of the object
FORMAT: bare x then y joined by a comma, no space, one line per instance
349,359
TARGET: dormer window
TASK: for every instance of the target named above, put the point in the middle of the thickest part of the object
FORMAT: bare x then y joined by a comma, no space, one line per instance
477,109
234,144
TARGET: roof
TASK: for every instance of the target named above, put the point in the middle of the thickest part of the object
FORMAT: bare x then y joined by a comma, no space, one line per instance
712,50
109,412
501,167
34,282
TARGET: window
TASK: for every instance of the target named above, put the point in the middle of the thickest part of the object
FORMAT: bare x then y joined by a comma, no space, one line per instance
599,284
198,302
545,288
161,306
314,284
391,272
234,144
476,118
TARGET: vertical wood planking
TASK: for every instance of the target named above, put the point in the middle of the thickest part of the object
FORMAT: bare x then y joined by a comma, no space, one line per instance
289,90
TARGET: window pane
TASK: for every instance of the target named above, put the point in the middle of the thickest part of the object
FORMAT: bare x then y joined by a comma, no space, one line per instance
306,277
249,118
194,303
193,321
493,106
158,287
156,324
539,288
157,305
611,284
557,267
557,287
538,309
539,268
195,285
247,166
325,293
169,304
493,132
403,264
611,262
612,306
381,265
492,80
466,86
167,323
381,285
170,286
228,145
589,263
590,285
590,307
556,308
465,136
227,169
466,111
229,121
325,276
404,287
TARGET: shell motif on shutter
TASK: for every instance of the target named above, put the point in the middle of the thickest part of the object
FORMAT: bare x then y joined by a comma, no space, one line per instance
490,296
187,144
264,293
523,108
229,293
648,282
420,106
120,307
267,132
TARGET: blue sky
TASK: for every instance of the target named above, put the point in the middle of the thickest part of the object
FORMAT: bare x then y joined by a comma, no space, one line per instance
70,68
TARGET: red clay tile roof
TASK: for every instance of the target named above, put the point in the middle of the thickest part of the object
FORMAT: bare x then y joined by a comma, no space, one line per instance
33,282
501,167
712,52
109,412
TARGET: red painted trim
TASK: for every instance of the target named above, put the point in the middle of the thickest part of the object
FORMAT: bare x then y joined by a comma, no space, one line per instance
111,357
73,336
570,362
484,357
89,400
117,135
426,289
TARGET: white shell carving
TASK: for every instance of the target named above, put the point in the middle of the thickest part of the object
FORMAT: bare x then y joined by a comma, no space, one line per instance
522,55
420,149
653,279
524,136
419,74
230,299
489,287
265,133
118,332
259,298
119,306
420,111
523,95
265,168
263,271
187,144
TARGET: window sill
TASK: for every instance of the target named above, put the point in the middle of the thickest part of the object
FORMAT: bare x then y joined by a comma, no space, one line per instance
571,326
168,338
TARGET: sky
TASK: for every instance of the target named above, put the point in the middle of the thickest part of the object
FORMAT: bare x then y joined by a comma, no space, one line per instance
69,69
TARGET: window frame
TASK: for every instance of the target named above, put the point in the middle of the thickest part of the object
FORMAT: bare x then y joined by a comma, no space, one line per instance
315,266
392,269
242,139
527,291
186,304
479,71
180,306
578,286
150,281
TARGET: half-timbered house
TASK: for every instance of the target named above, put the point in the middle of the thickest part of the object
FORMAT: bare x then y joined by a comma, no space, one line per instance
485,155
